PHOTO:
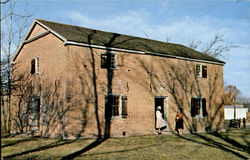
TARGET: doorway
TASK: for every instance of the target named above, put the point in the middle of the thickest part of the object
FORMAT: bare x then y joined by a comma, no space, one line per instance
36,113
161,101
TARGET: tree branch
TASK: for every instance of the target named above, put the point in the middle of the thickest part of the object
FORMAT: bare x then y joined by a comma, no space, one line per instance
4,2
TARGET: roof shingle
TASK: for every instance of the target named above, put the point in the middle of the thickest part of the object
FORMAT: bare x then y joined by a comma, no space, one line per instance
121,41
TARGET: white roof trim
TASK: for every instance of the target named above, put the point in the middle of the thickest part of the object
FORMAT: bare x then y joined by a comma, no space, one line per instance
138,52
17,52
184,58
30,30
52,31
37,37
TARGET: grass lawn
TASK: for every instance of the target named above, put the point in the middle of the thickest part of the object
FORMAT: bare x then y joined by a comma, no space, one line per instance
229,146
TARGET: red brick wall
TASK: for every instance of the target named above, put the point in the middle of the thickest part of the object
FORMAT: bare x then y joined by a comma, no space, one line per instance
141,78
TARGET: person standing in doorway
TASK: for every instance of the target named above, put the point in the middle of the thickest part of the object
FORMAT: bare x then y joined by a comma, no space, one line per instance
160,122
179,122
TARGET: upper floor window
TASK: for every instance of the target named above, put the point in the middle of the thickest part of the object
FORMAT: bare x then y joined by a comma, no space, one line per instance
201,71
35,65
109,61
32,71
198,107
103,60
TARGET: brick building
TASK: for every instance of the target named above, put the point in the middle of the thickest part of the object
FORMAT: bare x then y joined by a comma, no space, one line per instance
78,82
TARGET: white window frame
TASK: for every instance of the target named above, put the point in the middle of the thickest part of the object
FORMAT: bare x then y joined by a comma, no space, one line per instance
120,106
37,64
105,59
200,70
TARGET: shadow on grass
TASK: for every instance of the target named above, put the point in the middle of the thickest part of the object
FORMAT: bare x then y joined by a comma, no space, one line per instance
52,145
212,143
19,141
85,149
121,151
5,135
234,143
97,143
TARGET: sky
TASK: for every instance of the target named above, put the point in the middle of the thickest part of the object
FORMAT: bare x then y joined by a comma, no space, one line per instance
176,21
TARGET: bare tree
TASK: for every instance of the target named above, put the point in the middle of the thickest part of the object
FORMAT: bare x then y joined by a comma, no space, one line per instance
232,94
15,24
217,47
232,90
4,2
194,44
243,100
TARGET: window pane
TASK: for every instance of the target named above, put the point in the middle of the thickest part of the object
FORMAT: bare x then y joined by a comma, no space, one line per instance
204,109
198,111
36,108
103,61
113,61
32,66
115,105
115,100
198,106
204,71
115,110
198,70
195,106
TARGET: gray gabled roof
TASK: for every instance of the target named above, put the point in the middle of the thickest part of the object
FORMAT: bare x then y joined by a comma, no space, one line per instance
120,41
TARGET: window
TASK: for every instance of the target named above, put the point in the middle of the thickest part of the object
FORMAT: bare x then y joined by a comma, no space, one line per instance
201,71
198,70
36,111
35,65
103,61
117,107
115,103
109,61
198,107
